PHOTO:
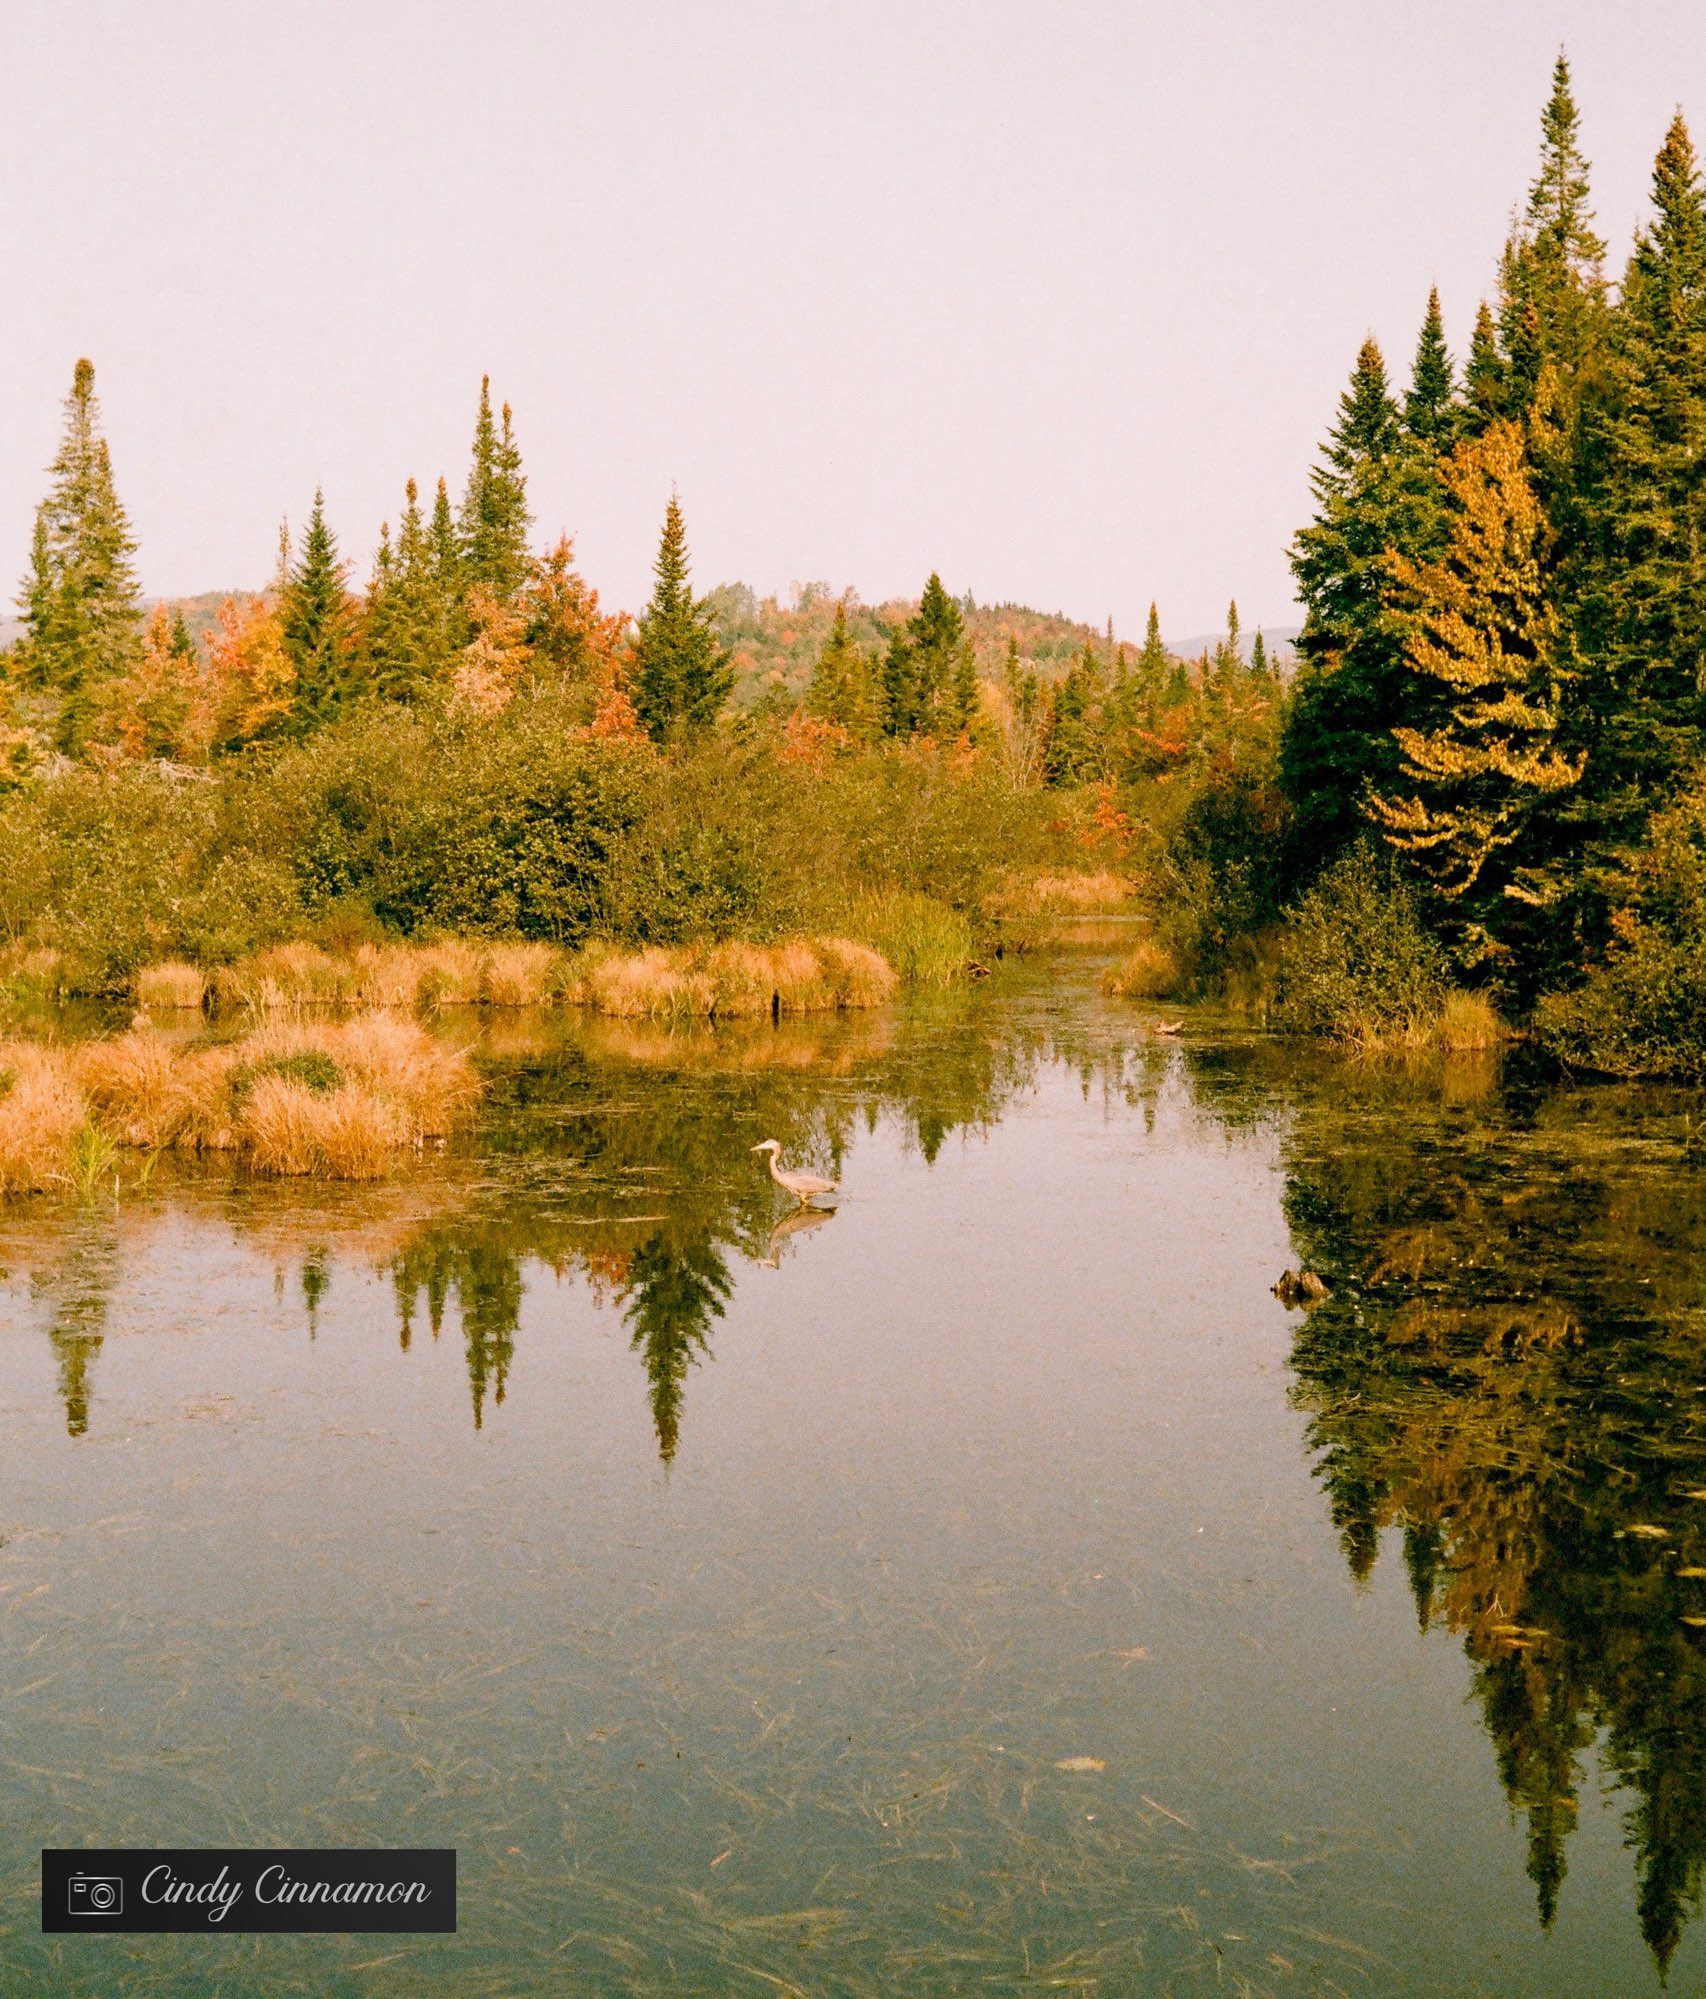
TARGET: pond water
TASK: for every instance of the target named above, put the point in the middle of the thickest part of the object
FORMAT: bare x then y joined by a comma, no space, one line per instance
991,1587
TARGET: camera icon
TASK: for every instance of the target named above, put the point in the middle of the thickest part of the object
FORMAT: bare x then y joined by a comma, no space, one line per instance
95,1895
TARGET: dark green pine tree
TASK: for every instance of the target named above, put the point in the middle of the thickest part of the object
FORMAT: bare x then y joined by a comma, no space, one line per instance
1373,494
682,672
1152,670
1430,410
81,603
1074,747
315,619
1484,394
900,709
1229,653
935,637
1552,285
412,630
449,576
1643,616
1260,669
492,528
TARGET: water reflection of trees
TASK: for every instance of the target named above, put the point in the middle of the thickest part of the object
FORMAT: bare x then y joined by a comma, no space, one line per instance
1510,1376
613,1151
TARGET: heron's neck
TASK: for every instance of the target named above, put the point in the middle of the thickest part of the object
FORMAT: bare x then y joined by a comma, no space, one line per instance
775,1159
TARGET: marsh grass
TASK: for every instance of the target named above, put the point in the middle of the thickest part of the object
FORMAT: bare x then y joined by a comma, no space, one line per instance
41,1113
925,942
519,974
338,1099
171,985
730,981
1149,971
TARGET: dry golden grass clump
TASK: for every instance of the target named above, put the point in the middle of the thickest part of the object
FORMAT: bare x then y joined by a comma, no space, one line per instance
520,974
287,975
1061,895
172,984
731,981
1467,1022
338,1099
1149,972
41,1115
394,977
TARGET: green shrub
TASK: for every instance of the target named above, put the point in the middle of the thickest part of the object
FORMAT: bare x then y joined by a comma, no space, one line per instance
1644,1014
1358,964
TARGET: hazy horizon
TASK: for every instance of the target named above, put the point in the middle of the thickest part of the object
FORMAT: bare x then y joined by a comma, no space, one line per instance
1058,305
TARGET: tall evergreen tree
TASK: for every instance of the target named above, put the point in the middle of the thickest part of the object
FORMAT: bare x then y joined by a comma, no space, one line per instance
840,689
1552,285
314,616
898,686
682,672
81,603
413,627
1430,415
1152,668
494,522
1373,495
1644,609
1484,375
1074,751
935,636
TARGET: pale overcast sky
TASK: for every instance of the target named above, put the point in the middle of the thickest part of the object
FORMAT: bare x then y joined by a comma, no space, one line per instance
1056,299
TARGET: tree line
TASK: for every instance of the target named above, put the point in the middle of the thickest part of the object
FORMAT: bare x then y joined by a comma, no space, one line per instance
1503,662
459,613
457,610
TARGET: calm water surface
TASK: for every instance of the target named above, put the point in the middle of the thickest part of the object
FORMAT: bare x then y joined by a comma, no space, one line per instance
732,1599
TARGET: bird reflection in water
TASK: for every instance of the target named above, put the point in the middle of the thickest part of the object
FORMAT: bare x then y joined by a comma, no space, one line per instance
792,1224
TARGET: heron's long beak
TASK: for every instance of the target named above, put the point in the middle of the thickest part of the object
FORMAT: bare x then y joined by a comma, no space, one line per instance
756,1148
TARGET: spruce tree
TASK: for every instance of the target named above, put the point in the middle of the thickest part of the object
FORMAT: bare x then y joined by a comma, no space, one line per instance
1152,668
1074,752
1552,288
314,618
1229,653
1644,604
493,525
840,689
682,672
1373,496
414,625
1430,416
935,636
1259,667
1484,376
900,707
81,603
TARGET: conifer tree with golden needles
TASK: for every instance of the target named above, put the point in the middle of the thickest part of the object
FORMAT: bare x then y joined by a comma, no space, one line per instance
1484,645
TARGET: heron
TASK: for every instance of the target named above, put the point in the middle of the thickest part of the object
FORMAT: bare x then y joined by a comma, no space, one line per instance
803,1186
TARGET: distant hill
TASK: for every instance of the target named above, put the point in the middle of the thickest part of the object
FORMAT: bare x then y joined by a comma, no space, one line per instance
1281,641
